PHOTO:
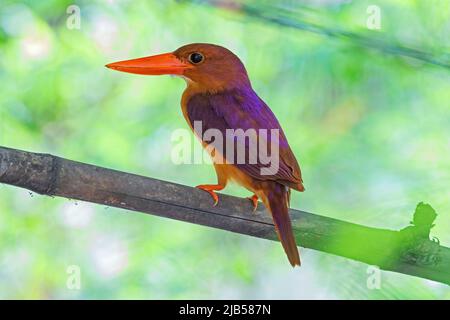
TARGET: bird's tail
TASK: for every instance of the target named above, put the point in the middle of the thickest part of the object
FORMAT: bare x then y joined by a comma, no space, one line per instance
277,203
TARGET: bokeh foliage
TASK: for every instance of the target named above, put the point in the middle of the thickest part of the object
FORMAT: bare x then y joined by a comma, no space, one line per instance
370,131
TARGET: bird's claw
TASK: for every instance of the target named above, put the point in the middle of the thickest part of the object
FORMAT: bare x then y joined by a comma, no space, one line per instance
210,189
254,200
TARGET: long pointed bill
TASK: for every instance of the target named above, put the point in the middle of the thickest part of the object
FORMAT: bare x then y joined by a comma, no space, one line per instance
166,63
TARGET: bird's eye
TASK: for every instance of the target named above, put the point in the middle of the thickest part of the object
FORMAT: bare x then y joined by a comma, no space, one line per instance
195,57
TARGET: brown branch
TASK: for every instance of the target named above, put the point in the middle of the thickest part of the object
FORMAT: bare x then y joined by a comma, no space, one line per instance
408,251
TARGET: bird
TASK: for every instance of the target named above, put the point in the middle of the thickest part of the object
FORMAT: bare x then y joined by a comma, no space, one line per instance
220,96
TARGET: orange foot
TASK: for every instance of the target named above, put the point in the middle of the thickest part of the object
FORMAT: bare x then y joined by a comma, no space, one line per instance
254,200
210,188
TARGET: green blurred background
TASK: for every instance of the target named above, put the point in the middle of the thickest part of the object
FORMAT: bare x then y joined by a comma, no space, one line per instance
370,129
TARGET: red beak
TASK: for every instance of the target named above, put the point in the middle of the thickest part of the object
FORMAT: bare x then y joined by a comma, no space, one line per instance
166,63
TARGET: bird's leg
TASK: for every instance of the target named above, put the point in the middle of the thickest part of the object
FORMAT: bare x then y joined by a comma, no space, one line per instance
254,200
210,188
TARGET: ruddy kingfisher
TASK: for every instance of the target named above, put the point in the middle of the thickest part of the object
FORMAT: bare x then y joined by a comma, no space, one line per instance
220,96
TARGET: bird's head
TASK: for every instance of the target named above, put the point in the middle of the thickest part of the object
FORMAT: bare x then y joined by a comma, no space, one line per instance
204,66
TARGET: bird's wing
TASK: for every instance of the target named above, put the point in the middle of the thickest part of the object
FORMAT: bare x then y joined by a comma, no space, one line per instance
243,109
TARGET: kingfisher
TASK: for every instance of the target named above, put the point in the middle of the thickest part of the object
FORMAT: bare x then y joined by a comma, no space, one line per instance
220,97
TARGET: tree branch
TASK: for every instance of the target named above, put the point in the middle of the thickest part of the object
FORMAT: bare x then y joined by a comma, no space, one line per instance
279,15
409,251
